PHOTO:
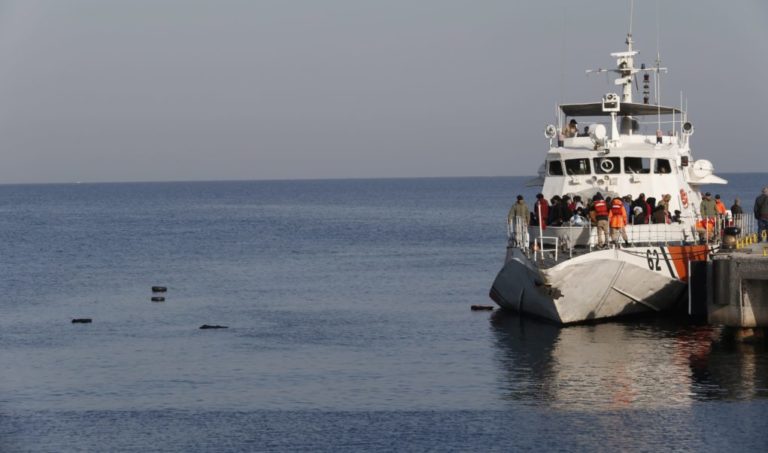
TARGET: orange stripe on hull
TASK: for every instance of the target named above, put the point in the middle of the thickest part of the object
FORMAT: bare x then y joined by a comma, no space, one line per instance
682,254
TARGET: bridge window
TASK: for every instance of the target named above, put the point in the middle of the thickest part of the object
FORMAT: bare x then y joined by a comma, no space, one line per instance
577,167
555,168
607,165
641,165
663,166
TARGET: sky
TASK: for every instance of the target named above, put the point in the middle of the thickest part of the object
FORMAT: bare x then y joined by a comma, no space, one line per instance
165,90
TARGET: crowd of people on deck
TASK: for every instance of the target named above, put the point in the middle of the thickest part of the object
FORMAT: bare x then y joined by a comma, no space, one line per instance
567,210
611,216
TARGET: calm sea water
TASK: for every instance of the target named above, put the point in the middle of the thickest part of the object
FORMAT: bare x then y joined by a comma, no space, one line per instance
349,329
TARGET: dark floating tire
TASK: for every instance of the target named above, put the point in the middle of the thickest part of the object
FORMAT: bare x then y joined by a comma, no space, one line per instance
482,307
209,326
159,289
82,321
158,299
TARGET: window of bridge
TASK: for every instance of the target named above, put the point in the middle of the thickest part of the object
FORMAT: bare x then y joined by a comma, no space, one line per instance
555,168
663,166
641,165
577,167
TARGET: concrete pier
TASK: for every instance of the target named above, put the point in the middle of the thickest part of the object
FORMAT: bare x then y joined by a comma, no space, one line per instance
737,287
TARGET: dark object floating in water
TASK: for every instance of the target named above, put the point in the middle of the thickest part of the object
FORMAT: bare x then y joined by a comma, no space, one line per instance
208,326
82,320
482,307
158,299
159,289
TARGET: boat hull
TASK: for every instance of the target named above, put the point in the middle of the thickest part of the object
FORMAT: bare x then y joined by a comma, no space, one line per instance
598,285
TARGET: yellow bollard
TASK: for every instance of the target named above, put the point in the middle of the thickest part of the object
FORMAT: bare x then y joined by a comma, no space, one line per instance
754,238
739,244
765,235
765,250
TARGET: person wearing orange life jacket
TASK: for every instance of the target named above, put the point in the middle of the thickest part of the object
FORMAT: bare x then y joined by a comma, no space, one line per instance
705,228
617,218
719,205
600,209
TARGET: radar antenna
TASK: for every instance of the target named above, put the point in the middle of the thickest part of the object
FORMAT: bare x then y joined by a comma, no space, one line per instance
625,64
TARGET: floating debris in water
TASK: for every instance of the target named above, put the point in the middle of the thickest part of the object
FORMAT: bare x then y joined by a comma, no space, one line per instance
159,289
82,320
209,326
158,299
482,307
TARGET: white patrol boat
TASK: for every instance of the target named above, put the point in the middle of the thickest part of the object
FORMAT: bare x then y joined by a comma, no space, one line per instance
559,272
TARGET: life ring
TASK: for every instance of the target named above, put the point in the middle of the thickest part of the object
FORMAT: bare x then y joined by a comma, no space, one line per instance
606,165
684,198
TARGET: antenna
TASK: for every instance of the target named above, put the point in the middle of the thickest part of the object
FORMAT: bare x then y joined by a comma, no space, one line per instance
625,64
657,76
658,53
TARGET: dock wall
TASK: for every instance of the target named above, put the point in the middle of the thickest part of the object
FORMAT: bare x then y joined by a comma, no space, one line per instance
739,290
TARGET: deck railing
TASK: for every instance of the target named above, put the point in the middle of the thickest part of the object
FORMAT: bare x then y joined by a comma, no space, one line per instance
688,230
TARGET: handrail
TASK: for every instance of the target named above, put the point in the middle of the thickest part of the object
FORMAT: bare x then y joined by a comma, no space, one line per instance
689,229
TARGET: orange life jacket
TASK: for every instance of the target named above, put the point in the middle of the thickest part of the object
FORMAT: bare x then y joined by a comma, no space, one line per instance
706,224
720,207
618,217
601,208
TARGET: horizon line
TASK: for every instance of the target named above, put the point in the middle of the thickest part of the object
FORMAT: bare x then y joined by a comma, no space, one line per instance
379,178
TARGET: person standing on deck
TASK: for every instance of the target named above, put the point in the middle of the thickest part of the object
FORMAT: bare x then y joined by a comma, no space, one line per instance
719,205
519,209
708,211
736,208
645,206
628,207
761,213
618,221
600,208
708,208
517,221
638,217
573,129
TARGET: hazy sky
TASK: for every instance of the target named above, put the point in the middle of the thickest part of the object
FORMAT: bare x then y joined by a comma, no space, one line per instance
134,90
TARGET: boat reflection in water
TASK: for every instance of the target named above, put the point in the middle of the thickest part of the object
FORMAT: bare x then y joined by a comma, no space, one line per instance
648,365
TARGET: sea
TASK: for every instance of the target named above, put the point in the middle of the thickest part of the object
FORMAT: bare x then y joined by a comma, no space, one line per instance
349,329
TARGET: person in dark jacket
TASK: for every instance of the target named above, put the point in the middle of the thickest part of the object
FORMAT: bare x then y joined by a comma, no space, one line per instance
651,201
761,214
659,215
638,216
640,201
736,208
555,217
